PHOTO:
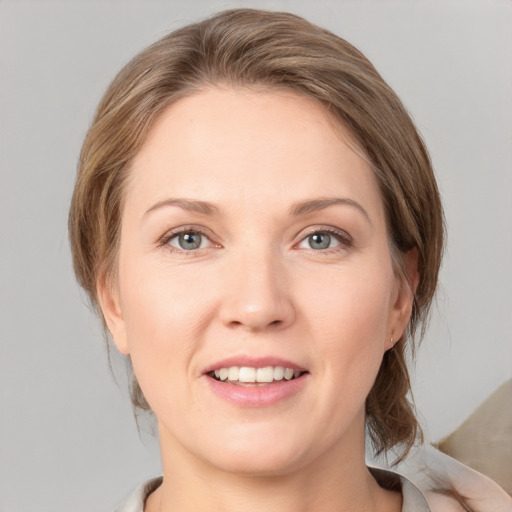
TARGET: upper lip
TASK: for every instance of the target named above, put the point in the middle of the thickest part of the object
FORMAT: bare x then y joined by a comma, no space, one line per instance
253,362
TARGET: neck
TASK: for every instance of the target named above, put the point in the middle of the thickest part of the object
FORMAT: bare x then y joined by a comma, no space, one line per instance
338,480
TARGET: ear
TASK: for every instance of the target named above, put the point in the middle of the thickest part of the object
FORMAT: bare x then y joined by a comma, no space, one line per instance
404,298
108,298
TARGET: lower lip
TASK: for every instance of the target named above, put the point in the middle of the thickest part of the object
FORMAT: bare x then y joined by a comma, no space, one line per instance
256,396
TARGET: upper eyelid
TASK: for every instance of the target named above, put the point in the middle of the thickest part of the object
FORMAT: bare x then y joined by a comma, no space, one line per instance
325,229
171,233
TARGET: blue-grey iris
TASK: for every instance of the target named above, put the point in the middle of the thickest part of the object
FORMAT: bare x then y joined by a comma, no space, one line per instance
319,241
190,240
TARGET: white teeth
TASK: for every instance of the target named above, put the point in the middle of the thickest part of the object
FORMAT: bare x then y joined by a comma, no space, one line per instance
288,373
247,374
278,373
233,373
265,374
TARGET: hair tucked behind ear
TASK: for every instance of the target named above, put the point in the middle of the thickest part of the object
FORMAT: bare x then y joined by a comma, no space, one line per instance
390,414
273,51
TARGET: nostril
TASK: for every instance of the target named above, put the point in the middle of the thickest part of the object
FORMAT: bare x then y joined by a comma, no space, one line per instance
255,323
256,312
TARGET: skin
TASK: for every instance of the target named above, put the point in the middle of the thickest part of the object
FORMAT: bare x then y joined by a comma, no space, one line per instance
256,287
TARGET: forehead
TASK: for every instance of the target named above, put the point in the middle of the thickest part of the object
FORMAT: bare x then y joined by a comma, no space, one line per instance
239,113
222,143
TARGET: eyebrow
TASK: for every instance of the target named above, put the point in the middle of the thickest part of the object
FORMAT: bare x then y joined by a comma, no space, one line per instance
296,210
315,205
187,204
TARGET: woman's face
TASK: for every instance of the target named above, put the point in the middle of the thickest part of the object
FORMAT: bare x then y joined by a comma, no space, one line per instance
254,237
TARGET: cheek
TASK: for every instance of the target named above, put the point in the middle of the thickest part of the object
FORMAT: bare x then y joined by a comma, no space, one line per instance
162,320
349,305
348,319
158,302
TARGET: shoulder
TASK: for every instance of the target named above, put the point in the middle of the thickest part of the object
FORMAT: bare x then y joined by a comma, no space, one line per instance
415,499
135,502
450,486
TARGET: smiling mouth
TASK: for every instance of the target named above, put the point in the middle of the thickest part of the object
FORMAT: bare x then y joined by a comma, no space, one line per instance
250,376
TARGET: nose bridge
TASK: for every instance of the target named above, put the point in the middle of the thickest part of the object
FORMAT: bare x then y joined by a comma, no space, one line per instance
258,294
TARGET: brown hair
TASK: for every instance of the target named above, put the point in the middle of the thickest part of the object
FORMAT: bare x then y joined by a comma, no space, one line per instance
252,48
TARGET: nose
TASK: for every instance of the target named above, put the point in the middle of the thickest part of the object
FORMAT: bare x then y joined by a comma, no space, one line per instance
257,294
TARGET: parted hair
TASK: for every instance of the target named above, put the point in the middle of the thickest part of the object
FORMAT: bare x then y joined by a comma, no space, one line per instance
271,50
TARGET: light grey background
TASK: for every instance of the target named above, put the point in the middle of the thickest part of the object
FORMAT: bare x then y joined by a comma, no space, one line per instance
68,441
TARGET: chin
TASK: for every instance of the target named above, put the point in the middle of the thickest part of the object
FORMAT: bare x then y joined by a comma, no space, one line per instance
260,465
262,457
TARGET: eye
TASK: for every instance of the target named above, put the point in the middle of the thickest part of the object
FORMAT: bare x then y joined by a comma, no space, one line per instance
188,240
322,240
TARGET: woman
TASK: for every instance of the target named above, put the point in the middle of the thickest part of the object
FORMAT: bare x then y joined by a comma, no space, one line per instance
257,220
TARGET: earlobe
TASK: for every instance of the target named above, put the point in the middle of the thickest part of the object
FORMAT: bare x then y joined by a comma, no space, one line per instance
404,299
109,302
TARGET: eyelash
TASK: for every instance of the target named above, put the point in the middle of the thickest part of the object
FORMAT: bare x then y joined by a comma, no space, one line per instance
164,241
344,239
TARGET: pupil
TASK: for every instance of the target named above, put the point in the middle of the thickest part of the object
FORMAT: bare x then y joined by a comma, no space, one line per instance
319,241
190,240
